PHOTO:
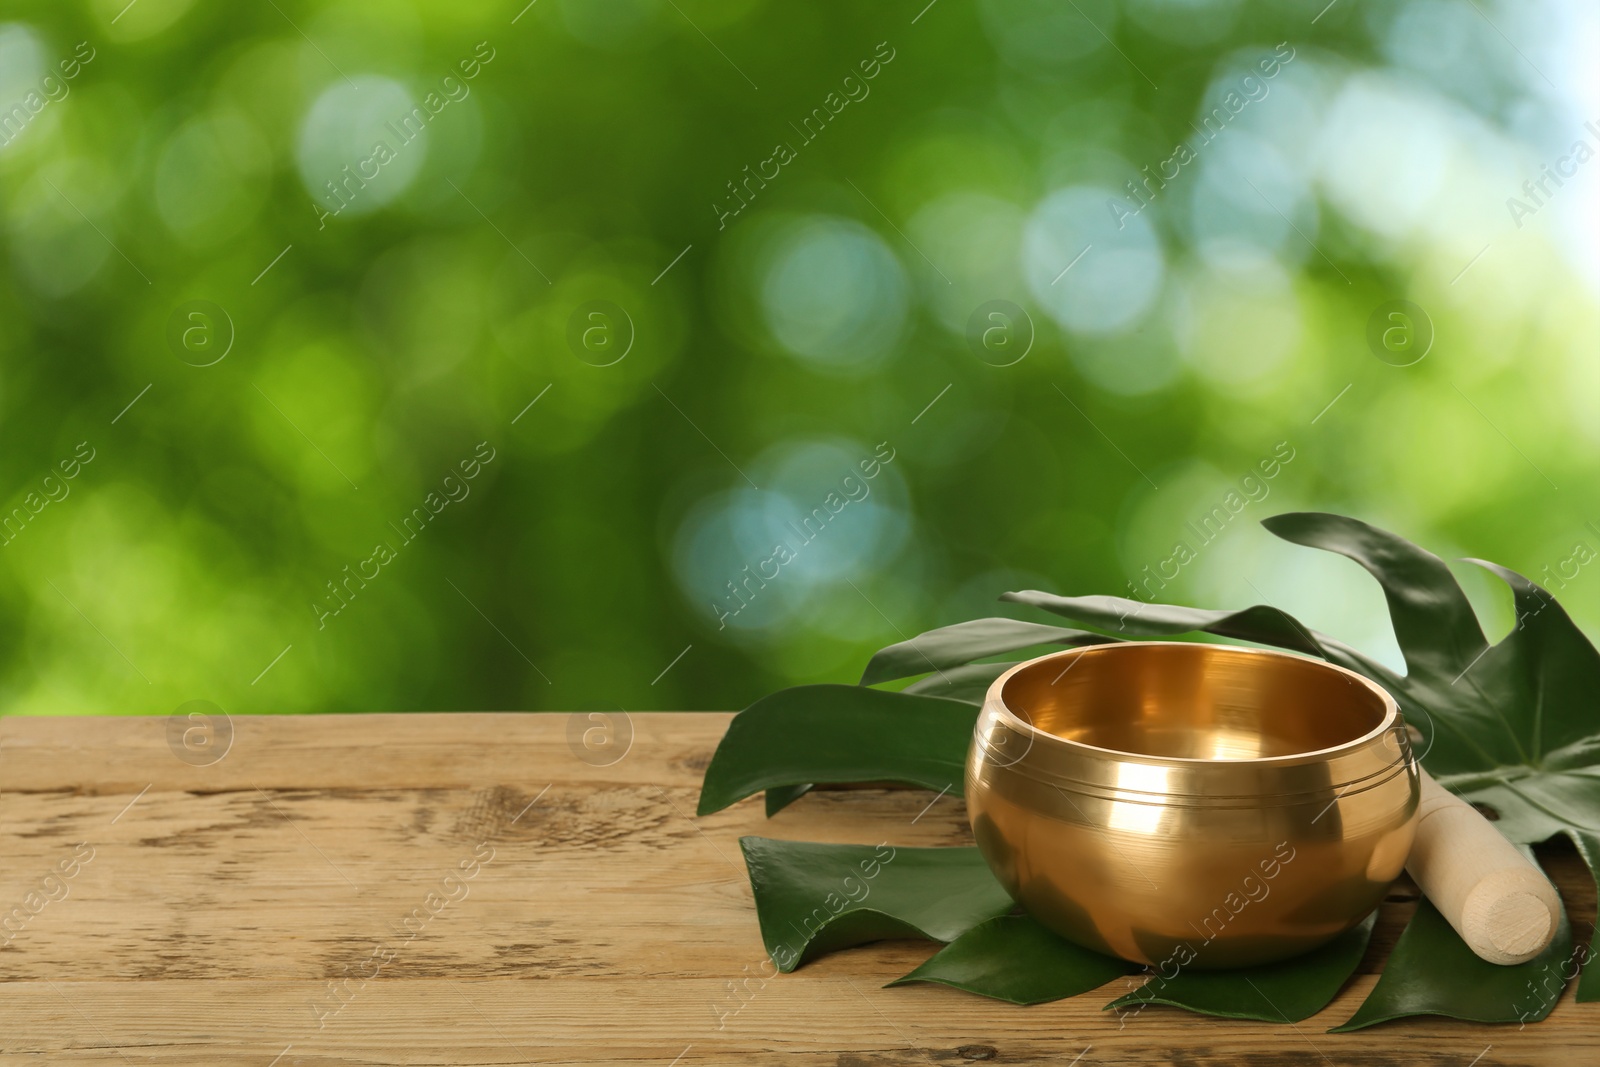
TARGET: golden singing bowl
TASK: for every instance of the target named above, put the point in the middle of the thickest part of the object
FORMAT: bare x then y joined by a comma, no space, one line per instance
1195,805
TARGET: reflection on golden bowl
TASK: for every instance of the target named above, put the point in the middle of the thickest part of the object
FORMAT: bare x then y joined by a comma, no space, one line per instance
1192,805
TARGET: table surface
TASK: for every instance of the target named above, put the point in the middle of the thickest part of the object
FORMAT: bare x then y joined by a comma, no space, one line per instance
288,906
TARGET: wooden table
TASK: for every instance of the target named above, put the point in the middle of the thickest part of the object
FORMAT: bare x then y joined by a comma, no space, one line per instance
464,889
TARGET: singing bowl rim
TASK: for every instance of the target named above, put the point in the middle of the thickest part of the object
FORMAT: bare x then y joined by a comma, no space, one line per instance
995,699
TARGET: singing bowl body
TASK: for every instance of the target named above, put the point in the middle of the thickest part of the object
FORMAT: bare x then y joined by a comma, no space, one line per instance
1191,805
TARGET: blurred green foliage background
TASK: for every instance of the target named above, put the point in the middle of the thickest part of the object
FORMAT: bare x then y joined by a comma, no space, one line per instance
260,344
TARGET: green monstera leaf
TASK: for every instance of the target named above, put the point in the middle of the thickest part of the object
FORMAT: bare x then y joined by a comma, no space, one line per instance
813,899
1283,992
1511,726
965,642
837,734
1423,977
1013,958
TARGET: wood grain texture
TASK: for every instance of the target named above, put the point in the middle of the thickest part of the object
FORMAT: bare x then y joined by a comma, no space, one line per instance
463,889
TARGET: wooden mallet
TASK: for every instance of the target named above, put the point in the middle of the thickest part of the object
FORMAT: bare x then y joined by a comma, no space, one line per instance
1503,906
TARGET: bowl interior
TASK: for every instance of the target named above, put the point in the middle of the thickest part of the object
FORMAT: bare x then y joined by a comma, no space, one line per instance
1194,701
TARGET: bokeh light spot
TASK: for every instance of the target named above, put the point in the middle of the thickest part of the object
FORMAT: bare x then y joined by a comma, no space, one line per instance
1121,268
834,295
362,143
